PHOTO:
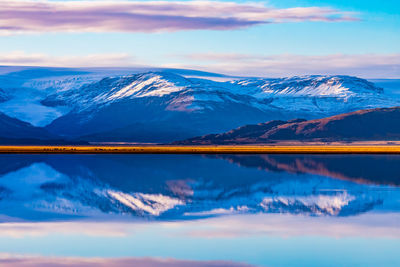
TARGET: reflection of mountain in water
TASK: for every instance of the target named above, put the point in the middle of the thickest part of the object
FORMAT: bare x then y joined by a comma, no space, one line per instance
38,187
375,169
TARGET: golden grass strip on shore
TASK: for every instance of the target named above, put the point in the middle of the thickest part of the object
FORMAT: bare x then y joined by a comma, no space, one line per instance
306,149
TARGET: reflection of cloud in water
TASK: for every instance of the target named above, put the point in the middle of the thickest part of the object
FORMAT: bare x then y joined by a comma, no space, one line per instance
30,261
385,225
368,239
86,228
367,225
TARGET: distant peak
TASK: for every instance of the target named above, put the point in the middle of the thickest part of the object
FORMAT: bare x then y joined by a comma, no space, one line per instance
313,85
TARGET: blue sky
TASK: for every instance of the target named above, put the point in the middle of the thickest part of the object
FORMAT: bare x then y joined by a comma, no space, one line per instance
330,36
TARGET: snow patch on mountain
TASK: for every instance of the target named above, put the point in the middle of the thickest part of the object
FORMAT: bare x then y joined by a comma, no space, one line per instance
60,84
146,85
321,86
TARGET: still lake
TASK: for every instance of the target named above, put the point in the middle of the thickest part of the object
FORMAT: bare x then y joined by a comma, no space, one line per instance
201,210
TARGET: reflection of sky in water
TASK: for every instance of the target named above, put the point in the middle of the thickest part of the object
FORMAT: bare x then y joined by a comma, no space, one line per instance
262,210
283,240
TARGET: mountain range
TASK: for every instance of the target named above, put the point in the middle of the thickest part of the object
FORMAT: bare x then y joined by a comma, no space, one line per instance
167,105
371,124
162,107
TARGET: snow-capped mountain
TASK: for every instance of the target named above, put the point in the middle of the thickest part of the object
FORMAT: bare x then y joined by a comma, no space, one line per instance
321,95
113,89
132,107
313,86
168,105
160,84
25,88
155,106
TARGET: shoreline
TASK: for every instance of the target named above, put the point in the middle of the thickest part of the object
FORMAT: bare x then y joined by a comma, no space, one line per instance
222,149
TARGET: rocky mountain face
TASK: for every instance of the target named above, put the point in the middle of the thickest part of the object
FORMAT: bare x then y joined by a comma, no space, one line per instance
363,125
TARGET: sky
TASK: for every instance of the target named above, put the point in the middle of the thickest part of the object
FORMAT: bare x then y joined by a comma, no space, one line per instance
273,38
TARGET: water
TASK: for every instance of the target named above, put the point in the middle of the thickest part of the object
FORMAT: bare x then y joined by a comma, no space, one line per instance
200,210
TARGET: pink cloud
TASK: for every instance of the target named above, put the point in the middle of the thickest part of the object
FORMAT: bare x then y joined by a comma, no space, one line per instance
362,65
127,16
30,261
20,58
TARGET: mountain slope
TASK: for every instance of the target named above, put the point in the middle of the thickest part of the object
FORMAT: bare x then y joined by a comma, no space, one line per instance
127,108
155,102
372,124
16,132
14,128
158,84
314,85
25,87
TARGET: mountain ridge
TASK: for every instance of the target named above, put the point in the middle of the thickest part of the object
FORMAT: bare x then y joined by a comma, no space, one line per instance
196,106
162,106
362,125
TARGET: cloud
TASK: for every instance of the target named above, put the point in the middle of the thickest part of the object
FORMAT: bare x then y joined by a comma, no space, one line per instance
30,261
20,58
154,16
362,65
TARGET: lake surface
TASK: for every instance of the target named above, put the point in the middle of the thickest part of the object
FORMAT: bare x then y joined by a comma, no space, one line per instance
200,210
